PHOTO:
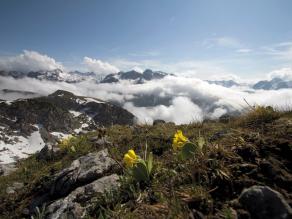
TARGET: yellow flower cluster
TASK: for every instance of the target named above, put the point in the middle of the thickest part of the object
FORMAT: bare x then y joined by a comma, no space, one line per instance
130,158
179,140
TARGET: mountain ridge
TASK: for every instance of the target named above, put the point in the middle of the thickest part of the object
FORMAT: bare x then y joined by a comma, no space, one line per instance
50,117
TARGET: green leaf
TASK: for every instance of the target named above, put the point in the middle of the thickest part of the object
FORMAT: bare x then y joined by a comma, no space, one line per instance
201,142
150,162
140,171
188,150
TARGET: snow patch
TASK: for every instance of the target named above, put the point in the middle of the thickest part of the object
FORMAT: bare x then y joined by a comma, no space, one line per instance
84,125
75,113
79,101
20,147
93,100
59,135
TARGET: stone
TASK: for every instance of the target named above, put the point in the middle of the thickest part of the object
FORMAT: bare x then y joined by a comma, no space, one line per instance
264,202
75,204
18,185
82,171
15,186
6,169
10,190
48,152
158,121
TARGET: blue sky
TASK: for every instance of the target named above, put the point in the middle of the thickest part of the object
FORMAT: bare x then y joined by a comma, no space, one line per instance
198,37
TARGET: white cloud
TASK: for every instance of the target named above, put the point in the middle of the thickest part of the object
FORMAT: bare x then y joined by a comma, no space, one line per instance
283,73
99,67
29,61
188,68
225,77
174,113
177,99
225,41
281,51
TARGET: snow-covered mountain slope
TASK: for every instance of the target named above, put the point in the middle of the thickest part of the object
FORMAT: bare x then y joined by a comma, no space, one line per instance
53,75
26,125
274,84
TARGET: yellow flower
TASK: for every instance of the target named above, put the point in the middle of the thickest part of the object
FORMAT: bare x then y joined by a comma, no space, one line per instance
130,158
179,140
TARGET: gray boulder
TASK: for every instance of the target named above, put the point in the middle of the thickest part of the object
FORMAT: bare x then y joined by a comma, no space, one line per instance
264,202
75,204
49,152
82,171
14,188
158,121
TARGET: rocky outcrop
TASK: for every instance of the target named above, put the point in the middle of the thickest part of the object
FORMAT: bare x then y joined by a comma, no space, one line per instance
75,204
83,170
88,174
158,121
264,202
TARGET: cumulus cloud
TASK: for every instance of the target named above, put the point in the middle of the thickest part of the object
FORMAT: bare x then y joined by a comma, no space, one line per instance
99,67
181,111
283,73
29,61
177,99
225,77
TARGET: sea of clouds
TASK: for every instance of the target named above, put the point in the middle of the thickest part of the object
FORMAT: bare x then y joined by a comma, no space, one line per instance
188,99
174,98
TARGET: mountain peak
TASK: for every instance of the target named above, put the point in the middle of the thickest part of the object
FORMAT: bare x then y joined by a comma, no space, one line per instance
133,75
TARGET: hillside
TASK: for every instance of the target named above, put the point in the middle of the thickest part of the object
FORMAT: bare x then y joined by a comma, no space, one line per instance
26,125
85,177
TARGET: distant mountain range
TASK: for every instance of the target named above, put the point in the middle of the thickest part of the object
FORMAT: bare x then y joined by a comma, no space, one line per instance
274,84
53,75
76,76
134,77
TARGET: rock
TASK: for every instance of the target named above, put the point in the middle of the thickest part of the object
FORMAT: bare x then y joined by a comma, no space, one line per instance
10,190
75,204
6,169
218,135
18,185
15,186
264,202
48,152
102,141
82,171
158,121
